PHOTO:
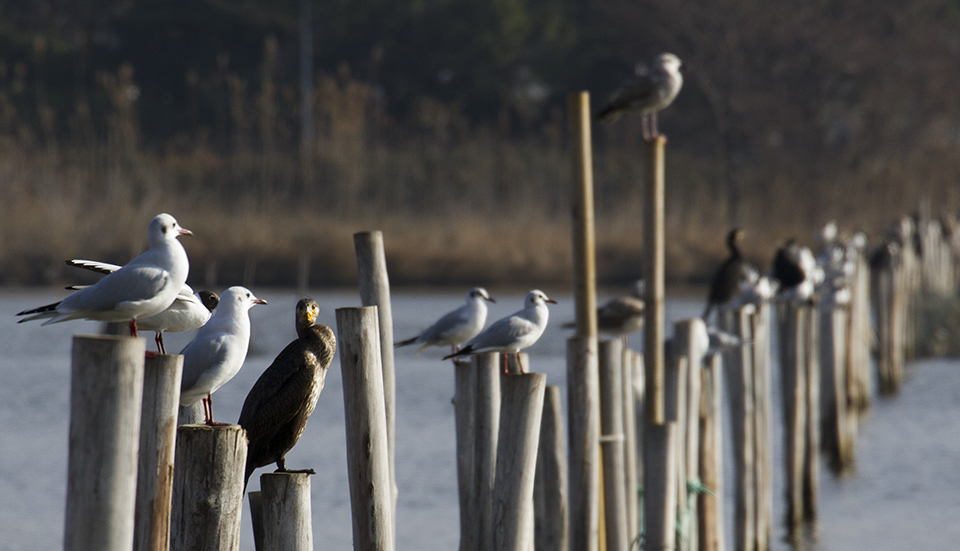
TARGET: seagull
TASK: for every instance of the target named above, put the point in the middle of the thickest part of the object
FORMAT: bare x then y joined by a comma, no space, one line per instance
621,315
726,281
188,311
455,327
512,333
276,409
650,91
217,353
145,286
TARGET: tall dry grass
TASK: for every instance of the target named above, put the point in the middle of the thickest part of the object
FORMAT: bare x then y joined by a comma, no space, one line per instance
458,203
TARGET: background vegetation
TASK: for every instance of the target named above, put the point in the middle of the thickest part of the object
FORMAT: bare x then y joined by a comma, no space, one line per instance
442,122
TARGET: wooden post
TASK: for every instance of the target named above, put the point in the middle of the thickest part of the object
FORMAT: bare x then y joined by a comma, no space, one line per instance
740,381
256,519
208,488
763,413
190,415
464,406
375,291
793,382
551,506
520,415
486,433
584,467
287,523
661,469
158,437
811,459
583,405
106,389
653,263
366,429
631,464
710,507
833,353
611,443
690,339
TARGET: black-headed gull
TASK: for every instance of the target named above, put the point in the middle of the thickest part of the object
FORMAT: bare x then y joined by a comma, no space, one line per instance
513,333
277,408
621,315
651,90
188,311
145,286
456,327
217,353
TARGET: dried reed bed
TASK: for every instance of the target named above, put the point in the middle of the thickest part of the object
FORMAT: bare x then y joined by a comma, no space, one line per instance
458,202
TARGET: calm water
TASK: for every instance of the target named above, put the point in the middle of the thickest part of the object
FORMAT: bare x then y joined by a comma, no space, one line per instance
905,494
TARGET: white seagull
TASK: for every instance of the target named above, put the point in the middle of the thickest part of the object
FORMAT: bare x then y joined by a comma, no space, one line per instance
145,286
650,91
217,353
455,327
188,311
513,333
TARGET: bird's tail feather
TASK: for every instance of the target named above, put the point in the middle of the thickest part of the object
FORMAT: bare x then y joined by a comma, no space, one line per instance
462,352
406,342
48,311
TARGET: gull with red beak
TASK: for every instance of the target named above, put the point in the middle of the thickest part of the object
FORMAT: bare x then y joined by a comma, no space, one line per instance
513,333
145,286
218,351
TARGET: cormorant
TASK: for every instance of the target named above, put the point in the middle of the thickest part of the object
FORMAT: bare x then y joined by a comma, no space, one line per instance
726,281
277,408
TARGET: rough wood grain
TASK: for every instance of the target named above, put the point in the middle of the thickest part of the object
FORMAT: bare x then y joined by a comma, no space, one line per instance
366,429
285,504
158,437
106,389
208,488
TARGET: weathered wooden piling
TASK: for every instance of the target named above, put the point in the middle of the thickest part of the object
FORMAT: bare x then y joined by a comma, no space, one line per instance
106,387
583,407
550,498
366,429
811,461
740,383
285,506
208,488
190,415
464,406
710,511
375,291
256,519
836,438
630,447
520,415
690,341
661,467
158,436
486,434
612,444
762,413
582,390
653,262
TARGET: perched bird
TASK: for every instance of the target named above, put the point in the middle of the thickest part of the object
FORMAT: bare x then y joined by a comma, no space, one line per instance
726,281
650,91
786,265
455,327
513,333
276,409
188,311
217,353
754,288
145,286
621,315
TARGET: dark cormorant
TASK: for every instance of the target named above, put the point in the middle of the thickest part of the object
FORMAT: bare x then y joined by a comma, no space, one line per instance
726,281
276,410
786,266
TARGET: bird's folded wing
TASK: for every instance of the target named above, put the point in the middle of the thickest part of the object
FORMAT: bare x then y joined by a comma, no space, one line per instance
129,284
